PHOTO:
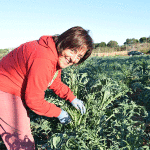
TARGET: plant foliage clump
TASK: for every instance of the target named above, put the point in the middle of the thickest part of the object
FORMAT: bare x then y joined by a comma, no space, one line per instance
115,91
116,96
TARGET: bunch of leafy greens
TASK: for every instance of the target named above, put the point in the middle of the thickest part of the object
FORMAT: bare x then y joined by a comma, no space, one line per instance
116,94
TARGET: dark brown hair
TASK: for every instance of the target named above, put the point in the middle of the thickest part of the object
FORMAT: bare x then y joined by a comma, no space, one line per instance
74,38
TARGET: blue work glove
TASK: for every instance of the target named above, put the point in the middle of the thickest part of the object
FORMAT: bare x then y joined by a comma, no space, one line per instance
64,117
78,104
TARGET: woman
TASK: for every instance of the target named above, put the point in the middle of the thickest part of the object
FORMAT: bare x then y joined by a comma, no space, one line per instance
27,71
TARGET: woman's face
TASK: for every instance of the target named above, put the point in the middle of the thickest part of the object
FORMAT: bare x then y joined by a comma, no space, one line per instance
69,57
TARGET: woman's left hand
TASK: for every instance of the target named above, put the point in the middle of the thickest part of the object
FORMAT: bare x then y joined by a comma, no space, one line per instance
78,104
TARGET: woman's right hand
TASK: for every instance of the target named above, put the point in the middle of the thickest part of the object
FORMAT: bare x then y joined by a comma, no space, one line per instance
64,117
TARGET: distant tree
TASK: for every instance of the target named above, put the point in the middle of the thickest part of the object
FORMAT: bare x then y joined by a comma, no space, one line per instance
143,40
102,44
136,41
128,41
96,45
131,41
112,44
148,39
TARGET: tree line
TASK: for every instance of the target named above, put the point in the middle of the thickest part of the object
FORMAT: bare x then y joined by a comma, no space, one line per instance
128,42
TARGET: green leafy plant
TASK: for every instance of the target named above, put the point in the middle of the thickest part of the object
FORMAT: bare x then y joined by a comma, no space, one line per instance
113,120
115,91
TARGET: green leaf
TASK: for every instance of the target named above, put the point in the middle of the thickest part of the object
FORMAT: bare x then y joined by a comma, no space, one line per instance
56,141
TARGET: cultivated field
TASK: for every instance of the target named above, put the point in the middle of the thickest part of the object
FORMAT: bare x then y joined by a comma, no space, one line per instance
116,93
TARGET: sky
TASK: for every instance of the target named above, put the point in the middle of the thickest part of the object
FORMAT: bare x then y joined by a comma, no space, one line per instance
26,20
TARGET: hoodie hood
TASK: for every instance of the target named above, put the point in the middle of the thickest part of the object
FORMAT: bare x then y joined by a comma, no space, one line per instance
48,42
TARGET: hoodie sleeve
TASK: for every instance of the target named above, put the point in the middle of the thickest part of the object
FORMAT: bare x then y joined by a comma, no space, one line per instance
61,89
40,73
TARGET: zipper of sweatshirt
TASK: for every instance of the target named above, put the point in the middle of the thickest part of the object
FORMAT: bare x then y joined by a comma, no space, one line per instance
54,77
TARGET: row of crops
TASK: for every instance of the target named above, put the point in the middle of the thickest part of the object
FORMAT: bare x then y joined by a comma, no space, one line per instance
116,93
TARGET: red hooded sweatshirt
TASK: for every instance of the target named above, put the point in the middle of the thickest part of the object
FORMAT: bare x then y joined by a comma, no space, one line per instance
27,71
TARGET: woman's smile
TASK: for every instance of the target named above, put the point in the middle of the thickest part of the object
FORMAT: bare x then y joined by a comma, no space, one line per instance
67,60
70,57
